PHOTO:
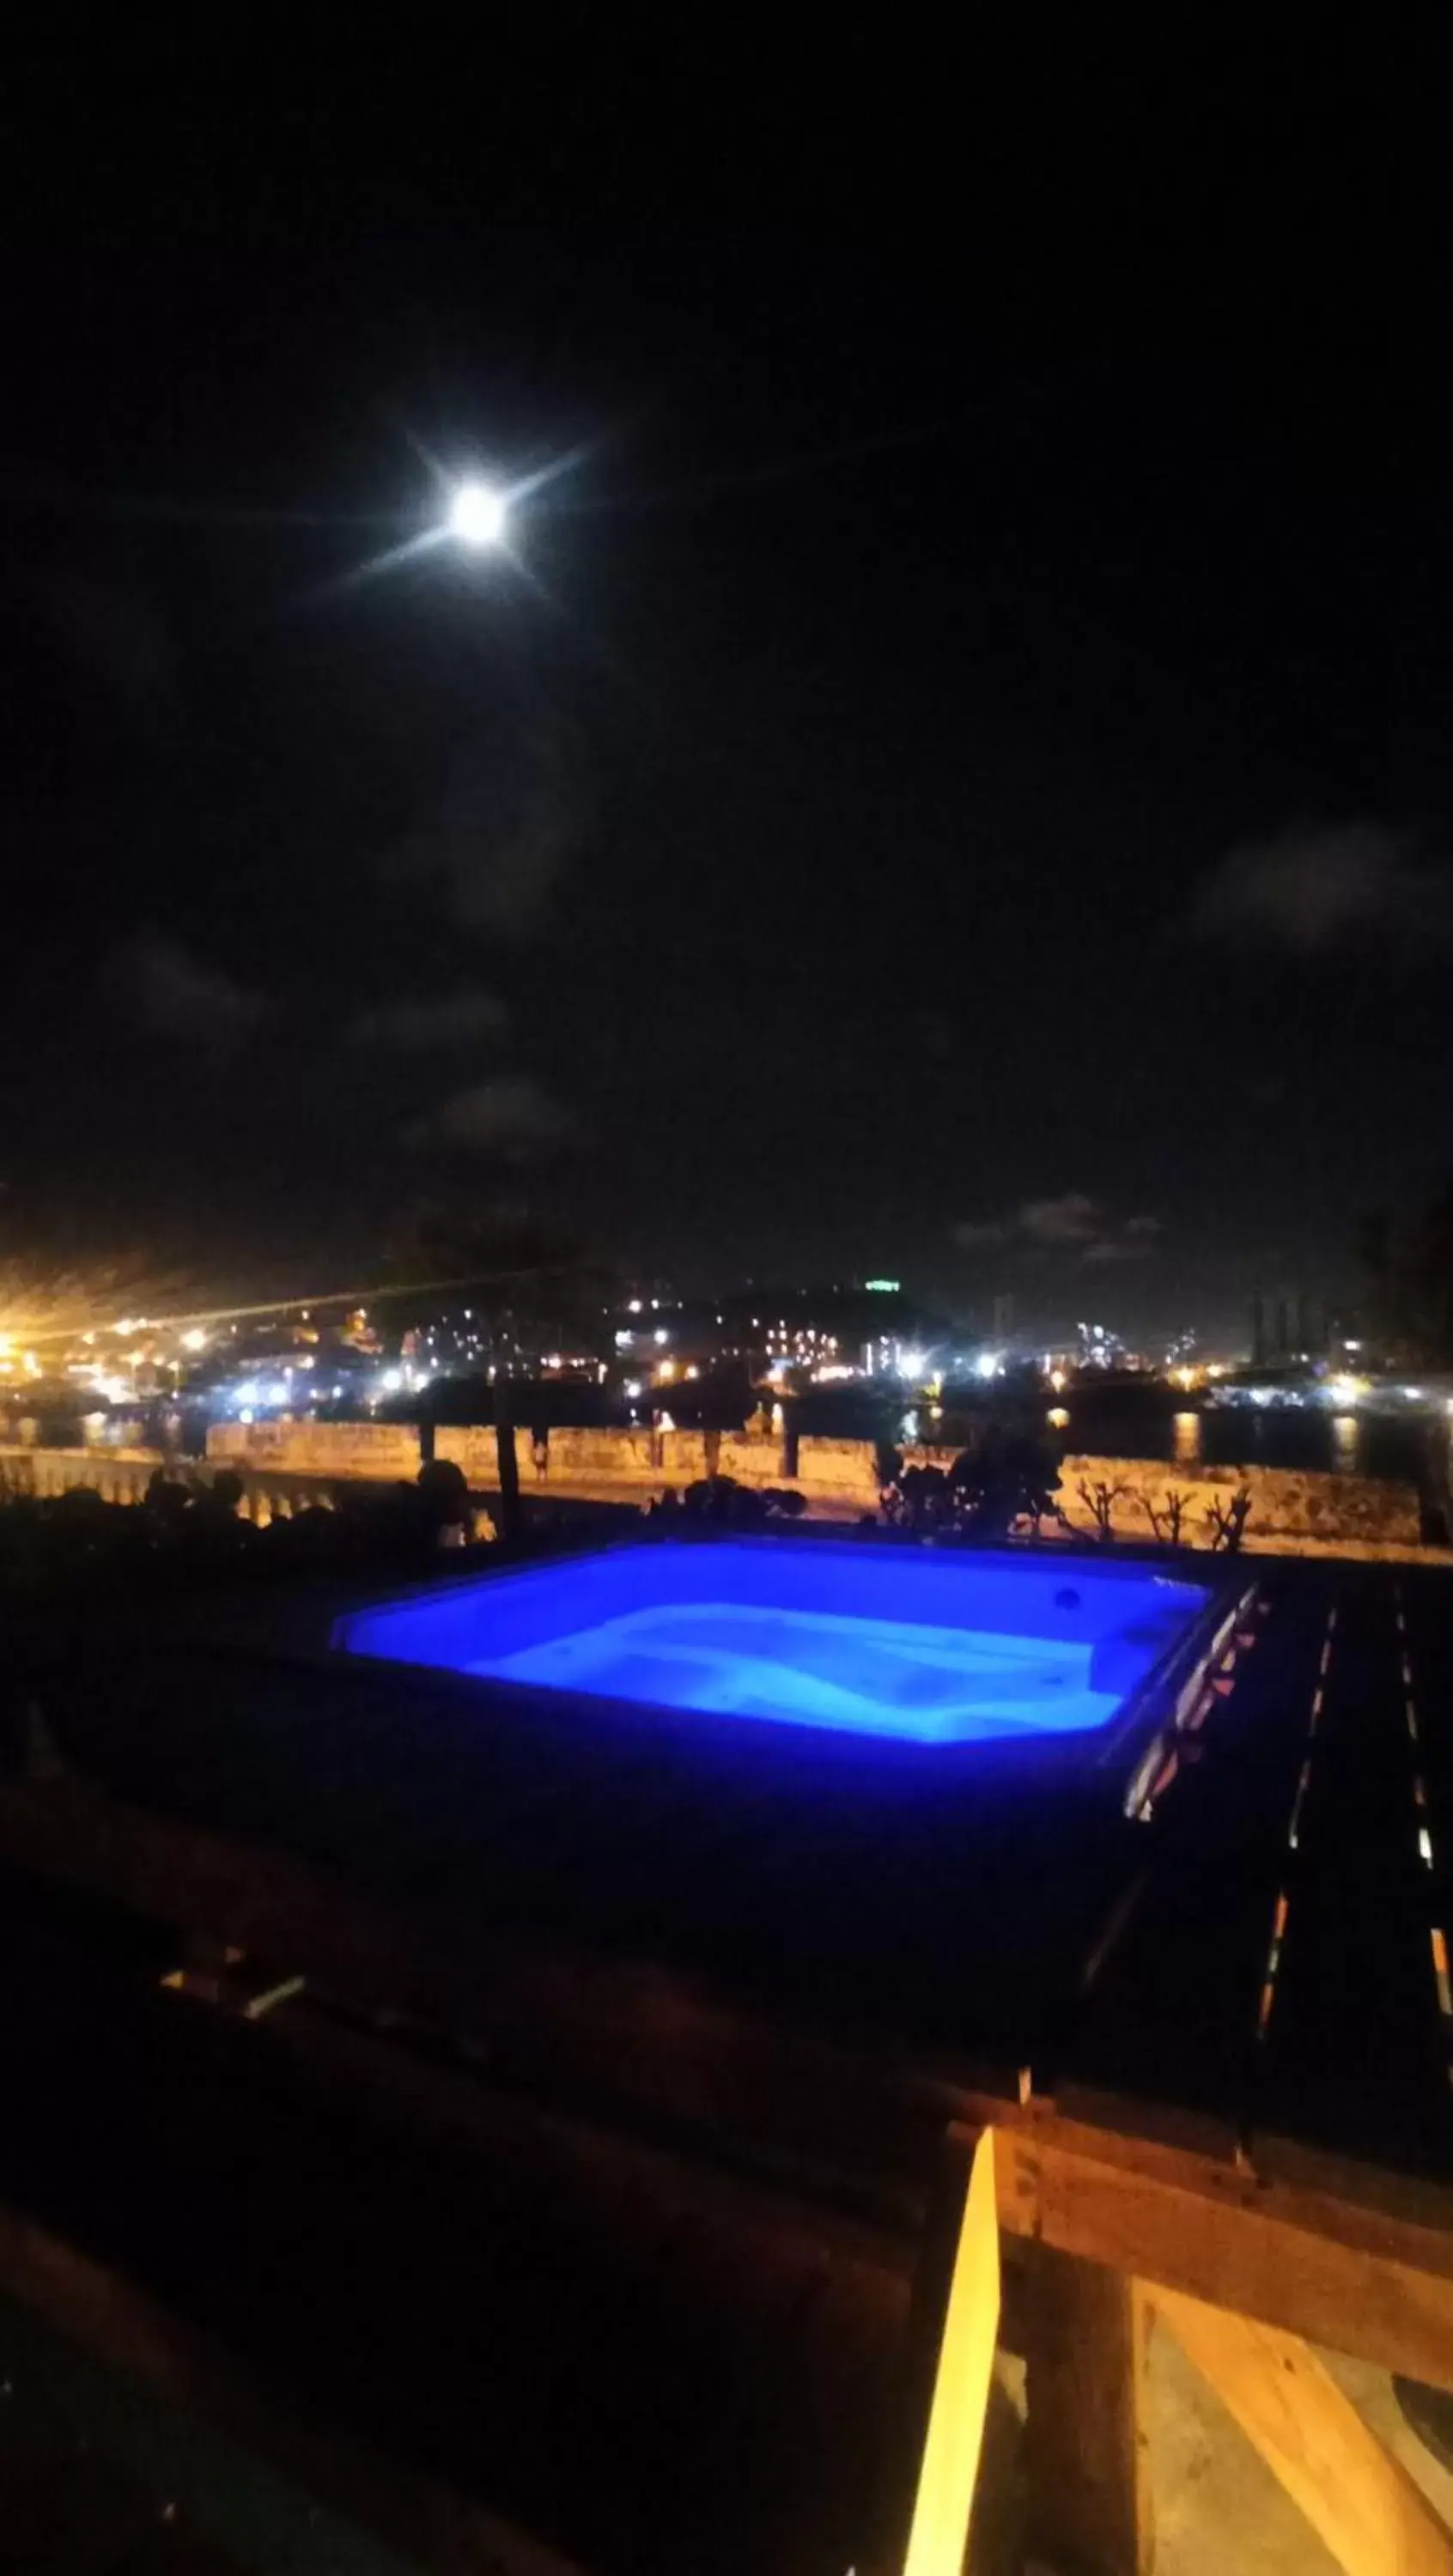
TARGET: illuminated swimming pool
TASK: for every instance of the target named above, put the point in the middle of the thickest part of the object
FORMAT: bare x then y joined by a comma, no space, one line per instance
934,1648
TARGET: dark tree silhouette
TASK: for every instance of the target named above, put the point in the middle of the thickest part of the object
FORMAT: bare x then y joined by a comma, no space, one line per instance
1169,1521
1227,1522
529,1275
1100,1501
1409,1265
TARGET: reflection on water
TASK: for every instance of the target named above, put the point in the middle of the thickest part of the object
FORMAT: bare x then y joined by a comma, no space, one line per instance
1187,1434
1346,1443
1312,1436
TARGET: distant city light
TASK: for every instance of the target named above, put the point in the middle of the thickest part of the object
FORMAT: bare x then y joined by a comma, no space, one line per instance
195,1340
634,1306
1345,1391
883,1287
660,1334
477,515
1058,1380
632,1386
912,1363
989,1363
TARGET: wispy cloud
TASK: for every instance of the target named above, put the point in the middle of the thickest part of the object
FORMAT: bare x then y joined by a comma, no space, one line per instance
1071,1218
163,987
514,1117
1071,1224
1361,886
416,1027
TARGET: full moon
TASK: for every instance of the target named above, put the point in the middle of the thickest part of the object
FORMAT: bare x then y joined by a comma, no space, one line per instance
477,515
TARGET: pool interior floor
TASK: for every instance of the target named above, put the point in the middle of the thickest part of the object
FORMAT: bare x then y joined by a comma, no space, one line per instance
928,1684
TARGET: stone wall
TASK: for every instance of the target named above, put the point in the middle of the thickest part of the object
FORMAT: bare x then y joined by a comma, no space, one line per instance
384,1451
628,1458
1285,1503
749,1460
118,1475
843,1472
838,1477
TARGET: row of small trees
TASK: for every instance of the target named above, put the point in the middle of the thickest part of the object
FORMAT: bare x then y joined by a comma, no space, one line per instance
990,1492
1170,1520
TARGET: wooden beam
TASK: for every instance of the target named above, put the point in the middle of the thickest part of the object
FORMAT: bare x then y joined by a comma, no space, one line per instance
1371,2514
1357,2280
1086,2468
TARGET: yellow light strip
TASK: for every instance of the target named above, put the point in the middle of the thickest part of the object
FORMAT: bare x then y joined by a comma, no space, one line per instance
950,2464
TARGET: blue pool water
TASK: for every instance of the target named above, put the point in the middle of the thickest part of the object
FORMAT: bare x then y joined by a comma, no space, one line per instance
935,1648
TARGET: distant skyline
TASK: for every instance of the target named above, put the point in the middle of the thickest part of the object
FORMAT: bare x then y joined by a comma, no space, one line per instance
955,774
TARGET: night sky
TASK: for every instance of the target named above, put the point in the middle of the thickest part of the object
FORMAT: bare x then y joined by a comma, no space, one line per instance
955,779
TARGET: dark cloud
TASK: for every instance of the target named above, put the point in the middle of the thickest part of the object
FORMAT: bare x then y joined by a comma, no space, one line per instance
464,1019
117,638
1354,886
513,1116
162,987
509,824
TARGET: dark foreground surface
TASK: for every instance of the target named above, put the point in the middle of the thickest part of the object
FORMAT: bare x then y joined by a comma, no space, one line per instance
647,2297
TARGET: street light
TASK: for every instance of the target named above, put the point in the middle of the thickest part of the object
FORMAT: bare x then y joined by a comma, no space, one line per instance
477,515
